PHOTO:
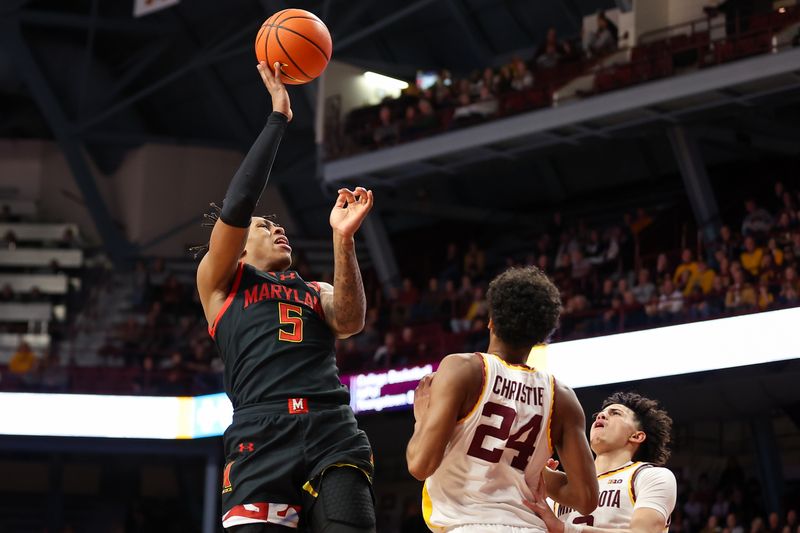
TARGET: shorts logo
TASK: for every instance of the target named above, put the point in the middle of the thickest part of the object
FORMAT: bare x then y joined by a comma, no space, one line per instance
298,406
226,478
246,447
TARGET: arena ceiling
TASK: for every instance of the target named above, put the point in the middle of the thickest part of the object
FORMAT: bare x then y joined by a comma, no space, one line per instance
187,72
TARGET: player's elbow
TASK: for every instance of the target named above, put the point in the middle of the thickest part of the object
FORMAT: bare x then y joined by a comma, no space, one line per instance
587,499
419,470
348,328
420,466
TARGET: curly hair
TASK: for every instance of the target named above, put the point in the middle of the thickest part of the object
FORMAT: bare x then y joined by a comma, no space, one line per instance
209,219
653,420
524,306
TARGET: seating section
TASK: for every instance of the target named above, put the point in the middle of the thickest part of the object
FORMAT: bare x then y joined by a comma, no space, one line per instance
529,83
39,264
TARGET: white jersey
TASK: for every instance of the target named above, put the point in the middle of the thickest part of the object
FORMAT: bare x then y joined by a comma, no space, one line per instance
481,479
622,491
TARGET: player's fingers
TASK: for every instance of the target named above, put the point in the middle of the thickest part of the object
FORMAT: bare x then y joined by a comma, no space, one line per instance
530,505
263,71
366,199
277,69
341,199
361,194
349,195
425,382
369,200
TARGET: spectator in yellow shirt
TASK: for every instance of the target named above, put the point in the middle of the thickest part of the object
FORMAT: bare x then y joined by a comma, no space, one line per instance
777,253
23,361
702,278
741,294
686,265
765,298
751,257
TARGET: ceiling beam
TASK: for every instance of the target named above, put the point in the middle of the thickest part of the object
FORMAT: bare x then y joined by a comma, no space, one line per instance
473,32
351,16
82,22
386,21
132,69
573,13
203,57
86,65
232,114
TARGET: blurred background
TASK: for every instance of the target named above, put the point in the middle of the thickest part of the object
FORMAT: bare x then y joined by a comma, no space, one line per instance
645,154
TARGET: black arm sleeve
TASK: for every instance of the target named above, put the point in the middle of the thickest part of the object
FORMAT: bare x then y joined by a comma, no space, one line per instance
251,178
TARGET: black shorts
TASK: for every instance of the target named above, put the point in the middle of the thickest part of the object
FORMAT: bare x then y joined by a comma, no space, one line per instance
274,460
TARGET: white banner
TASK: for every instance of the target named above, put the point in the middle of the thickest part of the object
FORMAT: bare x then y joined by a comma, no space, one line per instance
697,347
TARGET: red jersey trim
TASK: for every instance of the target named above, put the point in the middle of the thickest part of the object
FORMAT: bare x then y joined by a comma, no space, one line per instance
319,309
212,328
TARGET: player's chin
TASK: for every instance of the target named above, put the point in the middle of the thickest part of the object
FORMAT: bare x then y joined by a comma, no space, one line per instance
286,261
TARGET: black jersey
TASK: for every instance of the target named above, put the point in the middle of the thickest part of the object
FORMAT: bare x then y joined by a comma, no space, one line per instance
274,341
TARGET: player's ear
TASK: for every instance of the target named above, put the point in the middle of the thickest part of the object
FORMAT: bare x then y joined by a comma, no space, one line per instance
638,437
490,325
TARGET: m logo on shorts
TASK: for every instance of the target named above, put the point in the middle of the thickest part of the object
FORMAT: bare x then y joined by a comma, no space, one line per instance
298,406
226,478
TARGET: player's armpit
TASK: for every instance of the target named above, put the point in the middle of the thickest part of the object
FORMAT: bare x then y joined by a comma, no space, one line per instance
217,268
579,490
452,385
646,520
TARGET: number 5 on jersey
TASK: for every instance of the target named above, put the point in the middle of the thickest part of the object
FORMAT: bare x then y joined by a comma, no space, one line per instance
291,316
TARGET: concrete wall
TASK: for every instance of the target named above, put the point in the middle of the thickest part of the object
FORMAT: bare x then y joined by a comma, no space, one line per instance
649,15
157,188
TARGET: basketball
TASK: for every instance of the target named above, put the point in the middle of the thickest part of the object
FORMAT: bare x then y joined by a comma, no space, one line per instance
299,41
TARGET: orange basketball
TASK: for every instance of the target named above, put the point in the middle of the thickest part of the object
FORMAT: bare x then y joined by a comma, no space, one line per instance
297,39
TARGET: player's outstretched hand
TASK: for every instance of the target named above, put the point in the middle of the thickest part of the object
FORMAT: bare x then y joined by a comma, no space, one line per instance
538,504
350,210
277,90
422,397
